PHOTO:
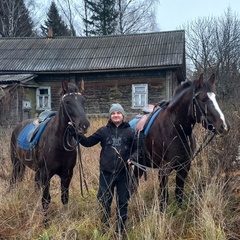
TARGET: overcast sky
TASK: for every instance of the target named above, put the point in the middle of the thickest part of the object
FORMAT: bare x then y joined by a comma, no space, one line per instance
173,13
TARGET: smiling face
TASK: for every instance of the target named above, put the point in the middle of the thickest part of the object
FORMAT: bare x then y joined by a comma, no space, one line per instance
117,118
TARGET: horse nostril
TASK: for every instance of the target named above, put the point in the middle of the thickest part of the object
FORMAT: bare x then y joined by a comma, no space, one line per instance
84,127
210,127
224,128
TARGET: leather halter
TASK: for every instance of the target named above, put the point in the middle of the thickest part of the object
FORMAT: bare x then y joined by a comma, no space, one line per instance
65,95
203,114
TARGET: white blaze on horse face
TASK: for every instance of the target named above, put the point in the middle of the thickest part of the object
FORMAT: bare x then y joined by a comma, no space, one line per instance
212,96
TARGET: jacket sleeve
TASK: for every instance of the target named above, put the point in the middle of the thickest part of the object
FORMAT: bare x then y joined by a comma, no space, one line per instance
92,140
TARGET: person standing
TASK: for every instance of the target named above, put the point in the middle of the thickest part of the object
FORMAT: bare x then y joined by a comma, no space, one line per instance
117,142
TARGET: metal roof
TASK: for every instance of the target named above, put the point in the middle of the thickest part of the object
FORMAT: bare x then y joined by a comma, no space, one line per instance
18,78
148,50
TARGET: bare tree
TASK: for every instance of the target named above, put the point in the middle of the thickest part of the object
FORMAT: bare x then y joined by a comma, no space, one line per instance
15,20
213,45
136,16
67,8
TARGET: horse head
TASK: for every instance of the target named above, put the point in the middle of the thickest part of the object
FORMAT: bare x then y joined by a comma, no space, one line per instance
73,104
207,110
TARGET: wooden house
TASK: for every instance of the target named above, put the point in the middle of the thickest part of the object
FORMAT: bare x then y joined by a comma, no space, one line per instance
134,70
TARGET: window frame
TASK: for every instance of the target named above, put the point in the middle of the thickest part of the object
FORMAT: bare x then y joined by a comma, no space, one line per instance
143,96
44,95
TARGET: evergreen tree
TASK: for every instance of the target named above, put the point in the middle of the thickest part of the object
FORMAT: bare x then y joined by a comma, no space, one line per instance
55,21
15,20
103,17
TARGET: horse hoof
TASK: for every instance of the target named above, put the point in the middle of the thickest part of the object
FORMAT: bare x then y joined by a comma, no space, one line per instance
72,234
46,223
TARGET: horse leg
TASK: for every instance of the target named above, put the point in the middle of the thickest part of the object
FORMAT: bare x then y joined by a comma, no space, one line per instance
18,168
37,181
180,181
65,182
163,191
46,198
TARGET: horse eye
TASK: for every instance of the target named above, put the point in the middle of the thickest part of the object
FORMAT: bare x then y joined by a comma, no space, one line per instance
67,101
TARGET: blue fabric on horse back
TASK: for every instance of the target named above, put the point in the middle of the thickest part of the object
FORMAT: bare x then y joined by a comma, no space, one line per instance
133,122
150,122
22,138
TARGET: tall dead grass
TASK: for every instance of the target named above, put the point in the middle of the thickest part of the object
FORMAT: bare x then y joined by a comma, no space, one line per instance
210,210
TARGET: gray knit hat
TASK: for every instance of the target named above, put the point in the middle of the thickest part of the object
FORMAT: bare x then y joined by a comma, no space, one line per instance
116,107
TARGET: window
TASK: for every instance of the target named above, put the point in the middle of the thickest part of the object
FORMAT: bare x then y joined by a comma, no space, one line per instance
43,98
139,96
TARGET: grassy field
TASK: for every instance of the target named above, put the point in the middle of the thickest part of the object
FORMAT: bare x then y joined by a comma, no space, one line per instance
211,208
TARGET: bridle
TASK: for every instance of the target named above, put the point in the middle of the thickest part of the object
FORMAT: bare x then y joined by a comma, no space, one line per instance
64,105
207,139
203,114
69,142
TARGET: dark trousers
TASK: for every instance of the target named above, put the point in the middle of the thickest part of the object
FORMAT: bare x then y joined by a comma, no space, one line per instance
107,183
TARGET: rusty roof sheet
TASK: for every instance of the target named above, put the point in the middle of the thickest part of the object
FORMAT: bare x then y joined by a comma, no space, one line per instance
148,50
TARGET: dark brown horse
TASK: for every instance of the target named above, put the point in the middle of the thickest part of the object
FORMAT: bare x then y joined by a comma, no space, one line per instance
170,143
51,156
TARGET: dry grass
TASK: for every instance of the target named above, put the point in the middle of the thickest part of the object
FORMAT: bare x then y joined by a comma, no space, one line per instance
210,211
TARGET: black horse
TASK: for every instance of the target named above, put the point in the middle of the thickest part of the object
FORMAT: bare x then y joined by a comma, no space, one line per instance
51,155
170,144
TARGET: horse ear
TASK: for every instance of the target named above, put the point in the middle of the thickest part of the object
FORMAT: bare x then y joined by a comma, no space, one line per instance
200,80
64,86
81,86
212,79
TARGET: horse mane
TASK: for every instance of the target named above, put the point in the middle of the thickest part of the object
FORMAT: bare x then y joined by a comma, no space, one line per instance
180,90
182,86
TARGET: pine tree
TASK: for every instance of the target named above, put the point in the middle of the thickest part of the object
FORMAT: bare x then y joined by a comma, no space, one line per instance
15,20
55,21
103,17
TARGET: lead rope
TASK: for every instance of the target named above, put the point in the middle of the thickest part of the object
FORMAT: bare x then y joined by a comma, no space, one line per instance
70,147
204,144
81,172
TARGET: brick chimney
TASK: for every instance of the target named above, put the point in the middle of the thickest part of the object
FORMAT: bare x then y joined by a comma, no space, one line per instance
50,32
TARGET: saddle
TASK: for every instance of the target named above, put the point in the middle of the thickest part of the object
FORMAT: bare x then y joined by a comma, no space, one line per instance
142,127
29,136
144,123
38,122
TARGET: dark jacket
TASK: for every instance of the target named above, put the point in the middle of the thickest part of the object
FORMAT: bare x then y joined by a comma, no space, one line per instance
117,145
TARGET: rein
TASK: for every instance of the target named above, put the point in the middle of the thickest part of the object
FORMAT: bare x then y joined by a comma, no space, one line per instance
67,138
70,137
205,142
81,172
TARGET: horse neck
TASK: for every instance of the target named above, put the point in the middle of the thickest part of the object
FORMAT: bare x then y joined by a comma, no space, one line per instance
181,112
62,119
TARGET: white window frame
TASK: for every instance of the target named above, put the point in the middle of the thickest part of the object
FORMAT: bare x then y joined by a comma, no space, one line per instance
43,101
139,99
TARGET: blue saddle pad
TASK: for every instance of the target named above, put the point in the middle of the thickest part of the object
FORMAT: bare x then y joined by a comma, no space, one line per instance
133,122
23,138
150,122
